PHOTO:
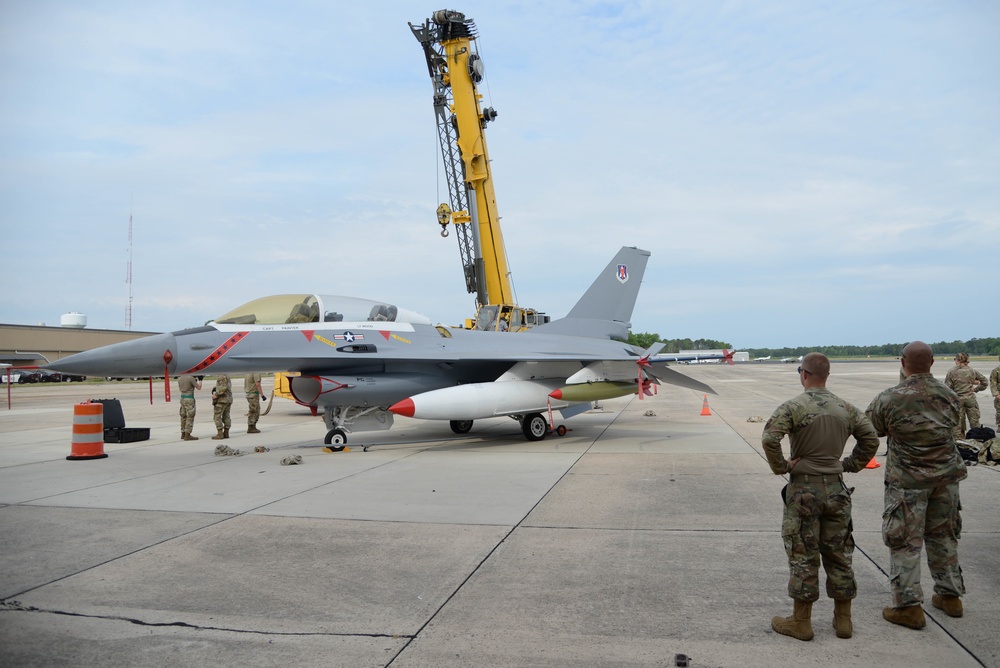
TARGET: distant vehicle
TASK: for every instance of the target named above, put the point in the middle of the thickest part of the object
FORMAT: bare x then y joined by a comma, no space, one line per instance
788,360
29,376
762,359
15,375
73,378
45,376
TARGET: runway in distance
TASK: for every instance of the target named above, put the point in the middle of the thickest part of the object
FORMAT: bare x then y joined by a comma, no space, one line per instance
361,362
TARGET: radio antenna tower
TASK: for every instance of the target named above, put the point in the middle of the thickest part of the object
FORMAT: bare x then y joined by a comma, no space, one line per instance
128,273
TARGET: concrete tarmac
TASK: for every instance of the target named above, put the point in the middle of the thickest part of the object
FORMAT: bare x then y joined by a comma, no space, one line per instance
647,532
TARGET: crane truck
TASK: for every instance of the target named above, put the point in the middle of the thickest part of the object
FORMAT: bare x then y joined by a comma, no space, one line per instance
455,68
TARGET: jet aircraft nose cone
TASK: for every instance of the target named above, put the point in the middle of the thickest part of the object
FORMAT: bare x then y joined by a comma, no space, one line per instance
140,357
404,408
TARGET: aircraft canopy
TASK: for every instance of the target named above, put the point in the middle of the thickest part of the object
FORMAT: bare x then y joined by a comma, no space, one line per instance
303,308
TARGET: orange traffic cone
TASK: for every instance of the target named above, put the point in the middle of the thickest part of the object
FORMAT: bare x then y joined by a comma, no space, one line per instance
704,406
872,464
88,431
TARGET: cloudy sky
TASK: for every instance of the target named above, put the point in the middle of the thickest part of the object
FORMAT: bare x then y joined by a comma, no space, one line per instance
804,173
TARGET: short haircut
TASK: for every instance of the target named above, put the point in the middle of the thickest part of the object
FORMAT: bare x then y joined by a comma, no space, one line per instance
817,364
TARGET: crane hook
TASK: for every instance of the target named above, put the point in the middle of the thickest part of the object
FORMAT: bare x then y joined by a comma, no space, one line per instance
444,217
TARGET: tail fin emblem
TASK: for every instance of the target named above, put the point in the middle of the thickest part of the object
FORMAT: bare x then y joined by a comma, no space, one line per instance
623,273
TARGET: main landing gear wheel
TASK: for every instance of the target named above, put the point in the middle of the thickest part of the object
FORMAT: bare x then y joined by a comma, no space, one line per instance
336,438
461,426
534,426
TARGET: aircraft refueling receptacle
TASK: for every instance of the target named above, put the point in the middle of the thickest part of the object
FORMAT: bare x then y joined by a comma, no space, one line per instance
455,68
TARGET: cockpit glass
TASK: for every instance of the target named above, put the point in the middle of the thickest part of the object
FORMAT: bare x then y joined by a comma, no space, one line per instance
274,310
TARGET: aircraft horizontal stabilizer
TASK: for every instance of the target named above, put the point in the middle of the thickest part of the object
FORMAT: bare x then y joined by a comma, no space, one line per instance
665,374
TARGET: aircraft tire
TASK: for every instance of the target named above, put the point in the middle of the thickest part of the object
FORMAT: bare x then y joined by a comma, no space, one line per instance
336,437
534,426
461,426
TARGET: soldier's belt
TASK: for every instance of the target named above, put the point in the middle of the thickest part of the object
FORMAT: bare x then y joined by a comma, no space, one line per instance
813,477
187,396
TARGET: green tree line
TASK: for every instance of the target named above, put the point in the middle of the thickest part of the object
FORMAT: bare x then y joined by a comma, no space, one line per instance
986,346
646,339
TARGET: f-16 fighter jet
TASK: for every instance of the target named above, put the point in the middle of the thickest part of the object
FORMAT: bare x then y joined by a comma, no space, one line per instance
362,362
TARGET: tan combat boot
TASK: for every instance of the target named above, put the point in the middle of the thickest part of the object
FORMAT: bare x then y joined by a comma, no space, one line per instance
225,433
252,429
188,437
218,436
799,625
842,618
952,605
911,616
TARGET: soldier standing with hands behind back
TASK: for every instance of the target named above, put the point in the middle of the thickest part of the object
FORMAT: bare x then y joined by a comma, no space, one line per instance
817,514
965,382
922,472
222,402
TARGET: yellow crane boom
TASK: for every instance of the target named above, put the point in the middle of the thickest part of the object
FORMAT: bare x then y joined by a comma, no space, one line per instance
455,68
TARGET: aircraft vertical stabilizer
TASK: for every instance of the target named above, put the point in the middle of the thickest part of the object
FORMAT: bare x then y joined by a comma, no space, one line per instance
605,310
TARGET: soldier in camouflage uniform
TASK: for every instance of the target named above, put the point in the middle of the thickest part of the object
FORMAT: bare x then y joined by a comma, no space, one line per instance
995,391
922,473
817,515
254,392
222,402
965,382
187,385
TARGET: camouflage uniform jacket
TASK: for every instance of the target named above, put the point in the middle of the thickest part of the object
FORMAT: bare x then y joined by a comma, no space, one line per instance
223,390
995,382
965,381
818,424
918,417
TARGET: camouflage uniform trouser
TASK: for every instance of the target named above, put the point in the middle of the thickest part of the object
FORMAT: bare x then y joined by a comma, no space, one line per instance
254,414
912,518
817,524
187,415
968,406
221,413
996,407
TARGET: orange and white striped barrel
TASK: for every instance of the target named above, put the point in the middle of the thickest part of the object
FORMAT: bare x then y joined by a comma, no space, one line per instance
88,431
